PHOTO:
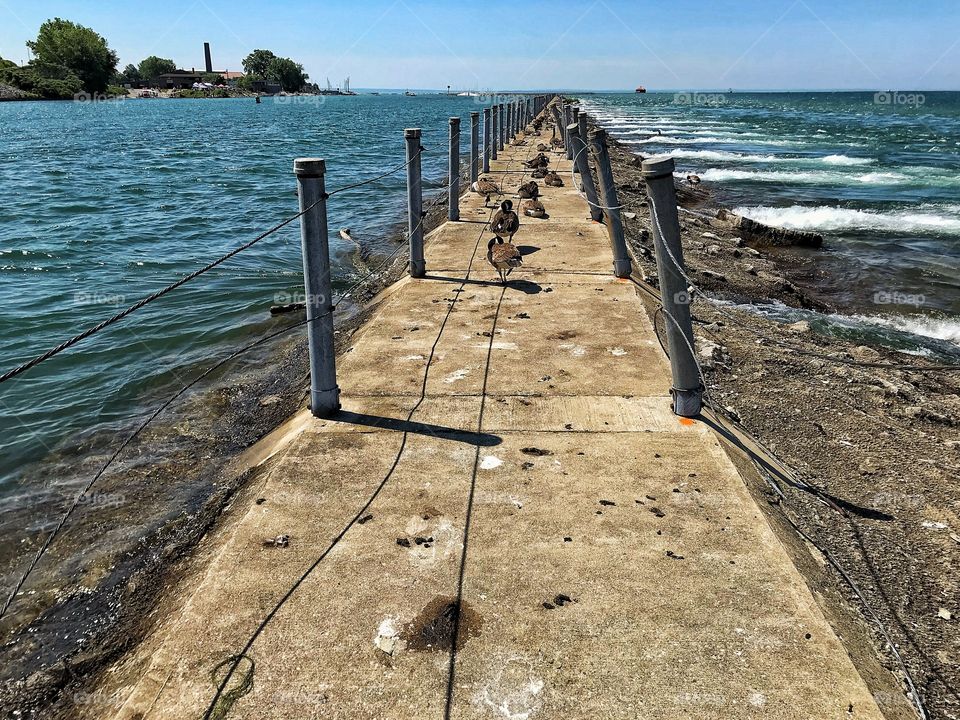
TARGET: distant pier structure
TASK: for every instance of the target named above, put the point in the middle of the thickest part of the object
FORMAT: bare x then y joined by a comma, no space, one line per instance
206,57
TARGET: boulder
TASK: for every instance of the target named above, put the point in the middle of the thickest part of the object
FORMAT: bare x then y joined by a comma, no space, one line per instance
767,236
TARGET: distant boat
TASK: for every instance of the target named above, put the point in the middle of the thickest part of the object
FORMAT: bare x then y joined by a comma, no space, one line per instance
641,89
410,94
467,93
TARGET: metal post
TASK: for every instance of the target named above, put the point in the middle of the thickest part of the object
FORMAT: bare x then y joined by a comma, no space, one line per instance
608,191
662,197
495,112
474,146
582,122
486,140
510,109
453,190
503,126
568,120
314,238
418,266
558,122
582,162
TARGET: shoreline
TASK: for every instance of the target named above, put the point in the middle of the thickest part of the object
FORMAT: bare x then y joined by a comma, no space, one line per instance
70,622
880,441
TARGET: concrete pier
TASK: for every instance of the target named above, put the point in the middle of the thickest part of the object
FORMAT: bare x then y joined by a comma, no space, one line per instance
511,448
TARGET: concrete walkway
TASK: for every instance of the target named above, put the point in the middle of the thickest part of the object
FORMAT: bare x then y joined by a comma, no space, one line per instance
615,564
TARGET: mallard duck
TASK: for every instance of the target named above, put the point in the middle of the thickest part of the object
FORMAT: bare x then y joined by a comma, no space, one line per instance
529,190
486,187
505,221
533,208
552,179
504,256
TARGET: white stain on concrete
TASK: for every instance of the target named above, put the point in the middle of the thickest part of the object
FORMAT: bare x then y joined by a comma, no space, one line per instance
514,693
575,350
414,357
456,376
490,462
617,351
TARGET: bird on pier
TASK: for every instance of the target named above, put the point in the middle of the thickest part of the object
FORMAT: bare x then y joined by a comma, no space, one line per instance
529,190
539,173
693,179
533,208
504,256
486,187
552,179
540,160
345,234
542,147
505,221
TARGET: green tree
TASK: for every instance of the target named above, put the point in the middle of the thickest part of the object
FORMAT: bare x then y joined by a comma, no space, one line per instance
257,62
78,49
213,78
130,74
289,74
153,67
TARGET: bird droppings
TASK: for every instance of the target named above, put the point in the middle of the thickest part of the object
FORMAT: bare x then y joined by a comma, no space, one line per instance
424,541
261,501
617,351
280,541
539,452
563,335
403,542
568,539
441,623
658,512
568,426
522,316
526,466
650,497
490,462
672,554
608,503
365,519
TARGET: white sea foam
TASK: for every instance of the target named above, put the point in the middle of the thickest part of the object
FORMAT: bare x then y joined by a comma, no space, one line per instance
846,160
945,328
726,156
673,140
938,219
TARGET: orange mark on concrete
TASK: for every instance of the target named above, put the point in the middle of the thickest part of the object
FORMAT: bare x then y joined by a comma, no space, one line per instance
687,421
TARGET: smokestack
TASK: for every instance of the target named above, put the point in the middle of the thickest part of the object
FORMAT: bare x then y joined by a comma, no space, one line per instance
206,55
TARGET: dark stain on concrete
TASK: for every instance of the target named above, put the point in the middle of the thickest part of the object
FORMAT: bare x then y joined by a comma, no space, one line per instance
433,629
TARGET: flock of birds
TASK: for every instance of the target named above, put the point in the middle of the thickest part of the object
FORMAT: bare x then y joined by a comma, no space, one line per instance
502,254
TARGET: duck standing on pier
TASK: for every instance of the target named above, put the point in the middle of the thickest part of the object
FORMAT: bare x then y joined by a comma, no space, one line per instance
505,221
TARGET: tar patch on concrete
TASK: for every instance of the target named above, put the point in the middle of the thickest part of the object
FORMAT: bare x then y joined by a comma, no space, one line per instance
434,628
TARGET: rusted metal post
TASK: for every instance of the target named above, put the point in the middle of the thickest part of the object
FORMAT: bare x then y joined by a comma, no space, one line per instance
687,389
314,239
418,266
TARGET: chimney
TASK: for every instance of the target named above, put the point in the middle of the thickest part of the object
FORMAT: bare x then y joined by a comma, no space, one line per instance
206,56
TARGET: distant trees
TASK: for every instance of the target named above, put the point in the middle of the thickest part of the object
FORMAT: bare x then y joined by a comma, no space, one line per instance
153,67
66,51
265,65
131,74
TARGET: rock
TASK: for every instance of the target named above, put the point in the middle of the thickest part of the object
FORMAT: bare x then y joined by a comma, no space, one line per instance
388,637
869,466
712,249
798,327
710,236
749,269
766,235
944,614
713,275
731,413
739,242
752,252
268,400
709,353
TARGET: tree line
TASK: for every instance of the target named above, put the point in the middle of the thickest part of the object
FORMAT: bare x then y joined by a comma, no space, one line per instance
69,59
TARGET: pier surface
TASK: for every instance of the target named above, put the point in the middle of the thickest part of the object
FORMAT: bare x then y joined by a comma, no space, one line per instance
615,564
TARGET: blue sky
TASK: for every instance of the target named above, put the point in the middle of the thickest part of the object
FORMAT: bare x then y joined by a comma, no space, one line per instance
587,44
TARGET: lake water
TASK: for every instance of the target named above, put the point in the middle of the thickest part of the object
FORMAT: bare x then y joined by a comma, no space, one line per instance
877,174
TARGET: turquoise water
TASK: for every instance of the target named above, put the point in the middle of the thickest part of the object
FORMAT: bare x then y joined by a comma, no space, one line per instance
107,202
877,175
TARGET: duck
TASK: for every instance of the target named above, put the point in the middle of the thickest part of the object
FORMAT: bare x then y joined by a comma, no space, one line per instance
693,179
504,256
505,221
539,173
540,160
345,234
552,179
533,208
486,187
529,190
556,142
542,147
